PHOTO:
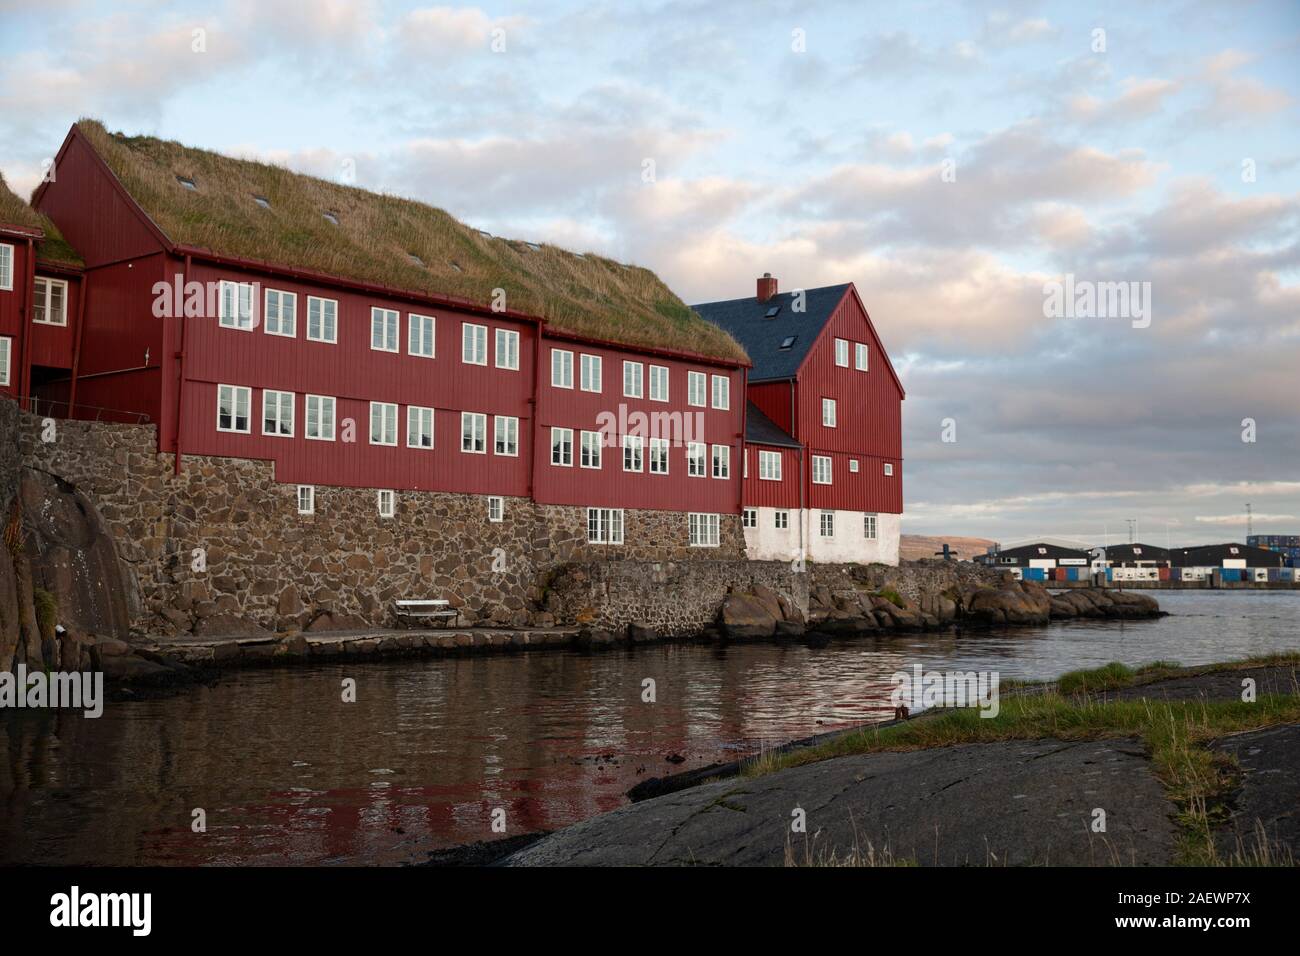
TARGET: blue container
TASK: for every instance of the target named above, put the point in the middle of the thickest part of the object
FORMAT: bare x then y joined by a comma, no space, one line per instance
1035,574
1230,574
1072,574
1110,574
1275,574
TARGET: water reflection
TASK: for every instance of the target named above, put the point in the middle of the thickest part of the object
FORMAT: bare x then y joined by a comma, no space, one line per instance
288,773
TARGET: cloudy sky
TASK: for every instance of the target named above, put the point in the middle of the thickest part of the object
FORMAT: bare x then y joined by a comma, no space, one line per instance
950,159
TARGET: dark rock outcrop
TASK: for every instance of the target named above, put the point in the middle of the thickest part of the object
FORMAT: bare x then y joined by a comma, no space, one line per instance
73,556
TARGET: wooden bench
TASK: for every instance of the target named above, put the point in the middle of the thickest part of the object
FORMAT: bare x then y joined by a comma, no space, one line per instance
411,610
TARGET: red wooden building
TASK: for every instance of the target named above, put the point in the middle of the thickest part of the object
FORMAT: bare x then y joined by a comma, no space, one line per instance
824,468
360,340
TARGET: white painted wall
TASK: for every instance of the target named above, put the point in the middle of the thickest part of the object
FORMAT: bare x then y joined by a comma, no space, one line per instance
766,543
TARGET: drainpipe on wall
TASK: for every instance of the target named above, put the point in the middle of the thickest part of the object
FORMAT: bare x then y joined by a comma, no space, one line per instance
744,448
76,349
535,401
26,314
180,383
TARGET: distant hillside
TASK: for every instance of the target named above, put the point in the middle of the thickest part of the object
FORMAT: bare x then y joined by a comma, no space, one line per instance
913,546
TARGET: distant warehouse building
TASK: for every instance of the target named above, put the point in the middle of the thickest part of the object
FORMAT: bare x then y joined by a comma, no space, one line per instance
1288,545
1230,562
1039,561
1132,562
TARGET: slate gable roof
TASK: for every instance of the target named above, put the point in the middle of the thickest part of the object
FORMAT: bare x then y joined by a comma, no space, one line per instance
746,320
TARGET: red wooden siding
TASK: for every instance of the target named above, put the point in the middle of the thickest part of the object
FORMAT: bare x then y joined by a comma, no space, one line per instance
775,399
355,374
611,486
868,414
760,493
91,209
11,307
52,345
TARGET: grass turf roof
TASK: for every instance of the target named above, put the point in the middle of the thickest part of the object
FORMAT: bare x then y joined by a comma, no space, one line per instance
15,212
377,235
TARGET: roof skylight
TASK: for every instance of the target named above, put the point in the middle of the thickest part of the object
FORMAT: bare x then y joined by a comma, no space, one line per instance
788,341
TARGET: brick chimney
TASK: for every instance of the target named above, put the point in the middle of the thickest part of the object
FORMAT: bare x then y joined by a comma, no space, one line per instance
766,287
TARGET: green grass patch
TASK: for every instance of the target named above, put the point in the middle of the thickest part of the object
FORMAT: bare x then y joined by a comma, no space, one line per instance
890,595
47,611
1106,677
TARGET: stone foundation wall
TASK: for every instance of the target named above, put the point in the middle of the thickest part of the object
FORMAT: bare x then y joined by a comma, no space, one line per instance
221,548
678,598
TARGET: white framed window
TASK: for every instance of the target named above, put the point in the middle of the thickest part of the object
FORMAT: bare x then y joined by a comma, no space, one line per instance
6,267
633,384
721,461
6,360
507,351
591,444
605,525
705,530
721,392
306,499
235,305
769,466
280,312
496,508
696,453
749,518
562,447
697,389
322,320
590,375
320,418
821,469
505,435
473,343
383,423
869,526
473,433
827,524
561,368
842,353
384,325
233,403
50,301
828,412
421,332
659,456
889,469
633,453
860,356
658,383
277,413
419,427
853,465
387,502
781,520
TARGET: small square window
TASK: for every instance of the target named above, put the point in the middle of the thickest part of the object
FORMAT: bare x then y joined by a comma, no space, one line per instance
387,503
496,508
853,465
306,499
749,518
889,470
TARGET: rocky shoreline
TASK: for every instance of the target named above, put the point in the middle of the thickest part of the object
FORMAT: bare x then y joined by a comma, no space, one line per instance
754,614
761,613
